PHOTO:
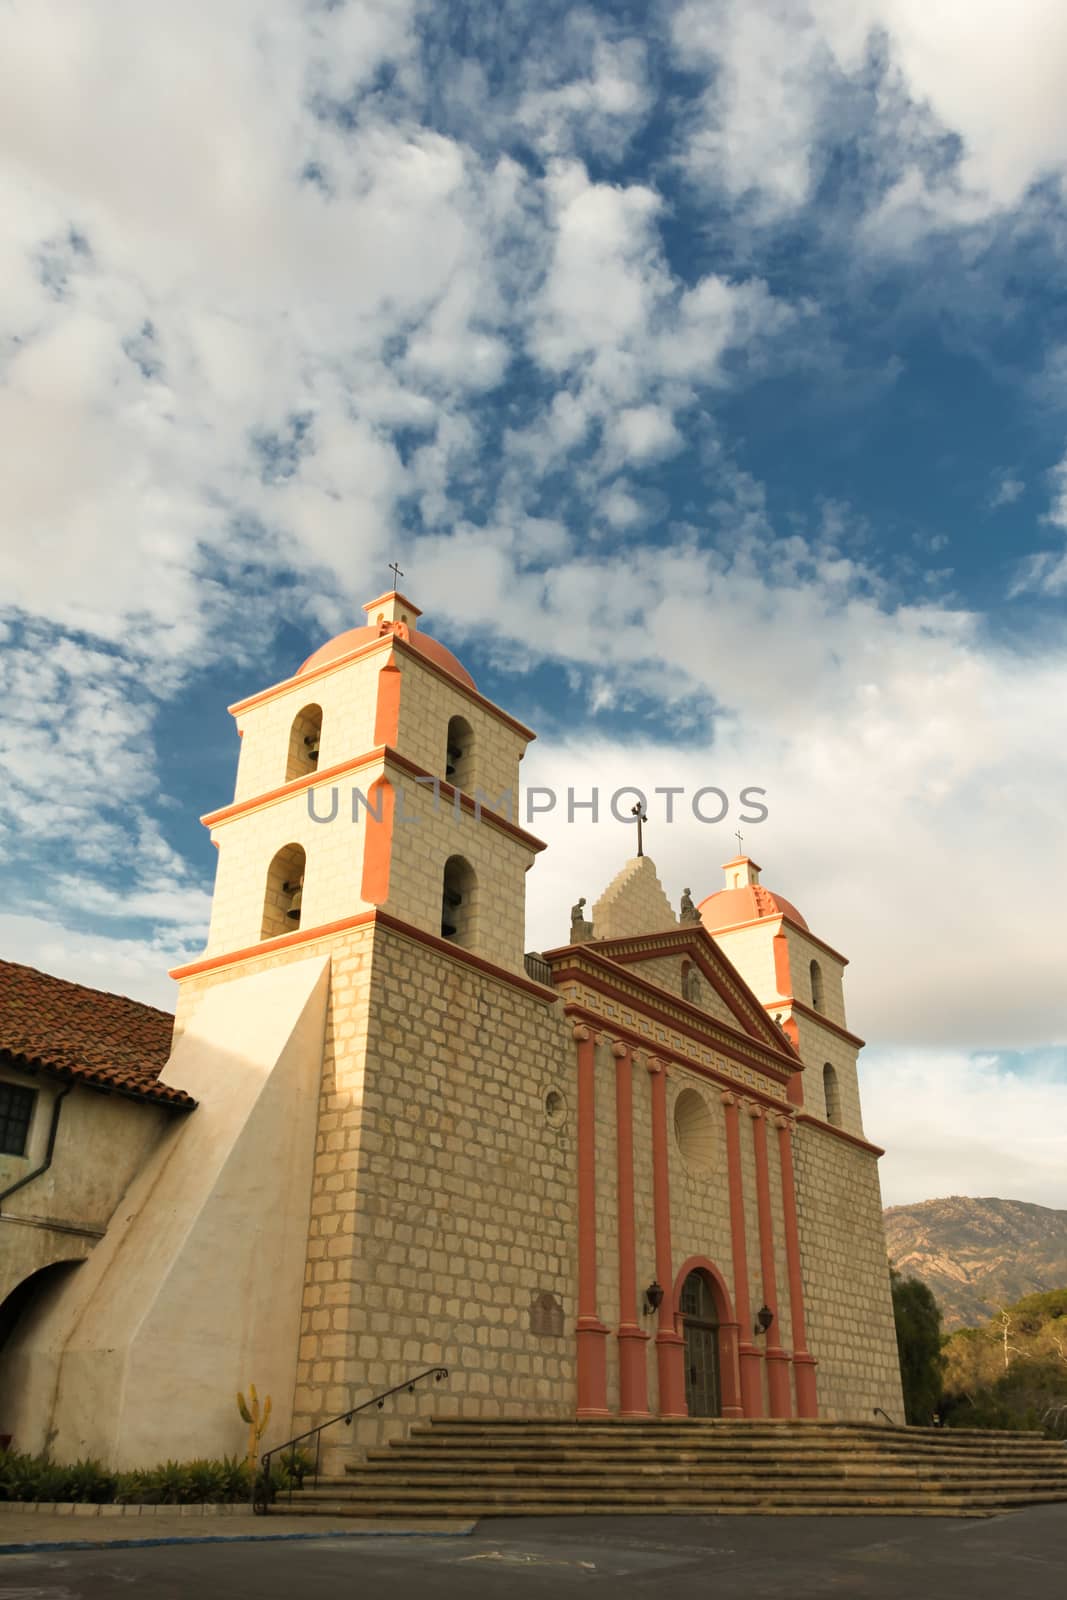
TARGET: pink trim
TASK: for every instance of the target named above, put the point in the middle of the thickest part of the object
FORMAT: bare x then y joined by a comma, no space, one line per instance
591,1332
776,1358
723,1044
803,1361
729,1378
782,977
750,1360
386,641
834,1130
285,941
387,709
670,1355
824,1021
633,1366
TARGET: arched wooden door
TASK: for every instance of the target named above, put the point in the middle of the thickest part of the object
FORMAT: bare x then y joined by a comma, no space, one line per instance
700,1324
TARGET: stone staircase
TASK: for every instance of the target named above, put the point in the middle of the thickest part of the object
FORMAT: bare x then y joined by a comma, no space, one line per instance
529,1467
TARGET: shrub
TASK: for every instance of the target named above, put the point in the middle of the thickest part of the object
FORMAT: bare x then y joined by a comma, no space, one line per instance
27,1477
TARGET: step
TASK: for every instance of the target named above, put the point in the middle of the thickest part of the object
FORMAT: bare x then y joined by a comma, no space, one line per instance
707,1450
625,1492
477,1510
712,1471
743,1427
1055,1461
694,1436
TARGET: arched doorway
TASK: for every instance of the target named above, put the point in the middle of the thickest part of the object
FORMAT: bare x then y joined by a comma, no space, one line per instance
700,1328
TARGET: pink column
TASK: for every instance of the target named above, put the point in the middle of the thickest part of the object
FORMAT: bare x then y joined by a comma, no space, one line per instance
749,1357
592,1362
633,1374
803,1362
777,1358
670,1355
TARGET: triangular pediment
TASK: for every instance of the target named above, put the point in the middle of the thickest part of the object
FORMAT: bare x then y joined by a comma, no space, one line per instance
720,990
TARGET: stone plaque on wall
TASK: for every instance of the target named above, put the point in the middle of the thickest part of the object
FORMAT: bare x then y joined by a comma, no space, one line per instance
546,1315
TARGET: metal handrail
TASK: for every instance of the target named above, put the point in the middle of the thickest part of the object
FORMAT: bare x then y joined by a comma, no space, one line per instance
262,1490
878,1412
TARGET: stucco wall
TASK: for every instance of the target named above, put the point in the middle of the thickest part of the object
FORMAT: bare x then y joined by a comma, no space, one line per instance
195,1290
101,1143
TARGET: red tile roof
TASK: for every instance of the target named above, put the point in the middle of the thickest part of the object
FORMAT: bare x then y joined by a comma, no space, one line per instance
105,1041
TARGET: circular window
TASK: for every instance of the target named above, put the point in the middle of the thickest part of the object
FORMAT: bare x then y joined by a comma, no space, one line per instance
694,1130
555,1109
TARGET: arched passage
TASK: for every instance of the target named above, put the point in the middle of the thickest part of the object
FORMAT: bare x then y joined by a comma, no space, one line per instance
26,1296
704,1315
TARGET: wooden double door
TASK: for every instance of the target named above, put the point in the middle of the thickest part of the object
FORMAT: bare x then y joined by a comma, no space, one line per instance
700,1325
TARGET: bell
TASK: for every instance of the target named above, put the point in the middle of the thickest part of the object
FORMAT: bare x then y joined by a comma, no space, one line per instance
311,740
453,756
449,901
296,889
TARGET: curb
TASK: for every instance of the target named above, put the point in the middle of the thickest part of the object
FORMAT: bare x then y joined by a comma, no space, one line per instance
31,1546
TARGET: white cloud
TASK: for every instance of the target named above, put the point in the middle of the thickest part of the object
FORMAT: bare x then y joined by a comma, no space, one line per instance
784,76
1007,491
952,1123
601,101
640,434
118,966
1045,572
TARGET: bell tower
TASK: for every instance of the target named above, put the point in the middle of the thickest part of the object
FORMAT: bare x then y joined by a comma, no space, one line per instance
370,870
375,779
800,980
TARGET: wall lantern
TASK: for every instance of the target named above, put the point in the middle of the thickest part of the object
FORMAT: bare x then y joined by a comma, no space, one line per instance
653,1298
764,1318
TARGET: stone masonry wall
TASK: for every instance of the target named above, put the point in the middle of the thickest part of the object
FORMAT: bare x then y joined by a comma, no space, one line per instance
447,1209
846,1274
817,1046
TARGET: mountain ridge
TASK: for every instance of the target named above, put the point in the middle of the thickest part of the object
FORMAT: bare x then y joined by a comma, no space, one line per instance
978,1254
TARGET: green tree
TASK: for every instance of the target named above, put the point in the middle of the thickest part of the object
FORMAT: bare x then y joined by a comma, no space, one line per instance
918,1322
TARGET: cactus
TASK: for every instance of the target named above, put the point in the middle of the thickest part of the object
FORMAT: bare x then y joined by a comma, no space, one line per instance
257,1422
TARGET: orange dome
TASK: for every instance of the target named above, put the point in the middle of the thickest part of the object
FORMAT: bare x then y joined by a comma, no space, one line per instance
356,638
728,907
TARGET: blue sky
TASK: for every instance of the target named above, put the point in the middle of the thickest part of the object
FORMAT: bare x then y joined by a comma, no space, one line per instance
704,366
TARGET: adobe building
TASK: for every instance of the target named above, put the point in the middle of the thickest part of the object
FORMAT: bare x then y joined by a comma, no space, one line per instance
627,1176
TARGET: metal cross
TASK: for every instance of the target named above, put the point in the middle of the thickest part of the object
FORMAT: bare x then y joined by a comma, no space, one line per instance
738,836
641,814
395,570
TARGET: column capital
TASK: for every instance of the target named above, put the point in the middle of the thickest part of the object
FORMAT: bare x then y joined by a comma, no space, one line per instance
727,1097
580,1032
618,1049
654,1065
783,1123
754,1109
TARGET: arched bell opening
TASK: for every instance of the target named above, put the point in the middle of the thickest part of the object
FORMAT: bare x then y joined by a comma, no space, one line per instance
815,974
283,901
304,737
459,754
459,893
831,1093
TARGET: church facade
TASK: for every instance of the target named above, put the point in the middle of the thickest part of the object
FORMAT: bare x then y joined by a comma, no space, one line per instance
625,1176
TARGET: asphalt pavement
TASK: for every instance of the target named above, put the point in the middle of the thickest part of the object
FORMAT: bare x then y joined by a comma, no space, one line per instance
728,1558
